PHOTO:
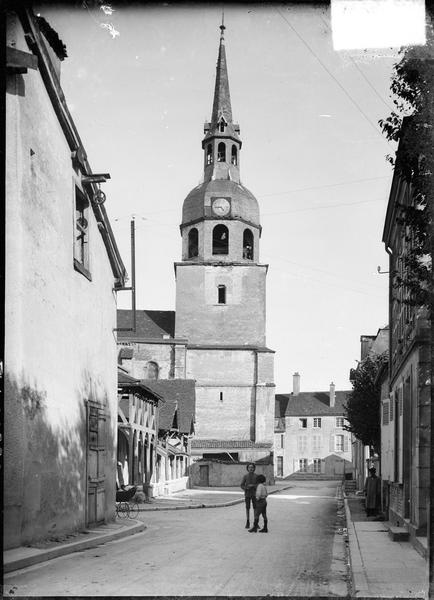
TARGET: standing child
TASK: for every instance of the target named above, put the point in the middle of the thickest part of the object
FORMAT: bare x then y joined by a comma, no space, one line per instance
248,484
261,505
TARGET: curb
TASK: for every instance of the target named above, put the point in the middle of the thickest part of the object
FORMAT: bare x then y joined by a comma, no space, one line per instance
217,505
63,549
355,557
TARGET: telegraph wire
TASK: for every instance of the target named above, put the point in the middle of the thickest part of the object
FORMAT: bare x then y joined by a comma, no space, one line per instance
327,185
300,37
327,24
296,210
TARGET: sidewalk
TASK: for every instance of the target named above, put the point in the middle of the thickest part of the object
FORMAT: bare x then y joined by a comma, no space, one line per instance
381,568
25,556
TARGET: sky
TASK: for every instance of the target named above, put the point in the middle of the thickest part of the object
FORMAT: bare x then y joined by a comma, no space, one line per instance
139,84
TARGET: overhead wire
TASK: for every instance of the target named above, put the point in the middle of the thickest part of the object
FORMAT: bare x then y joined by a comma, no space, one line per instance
324,66
373,88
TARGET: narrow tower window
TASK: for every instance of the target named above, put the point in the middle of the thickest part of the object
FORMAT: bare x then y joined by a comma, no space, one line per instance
193,243
234,159
221,152
221,294
222,125
248,244
220,240
209,154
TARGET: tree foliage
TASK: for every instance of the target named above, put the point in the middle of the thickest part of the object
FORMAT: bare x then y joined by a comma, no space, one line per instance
362,410
412,93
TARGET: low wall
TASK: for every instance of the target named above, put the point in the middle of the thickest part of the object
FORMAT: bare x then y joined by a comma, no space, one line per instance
222,474
165,488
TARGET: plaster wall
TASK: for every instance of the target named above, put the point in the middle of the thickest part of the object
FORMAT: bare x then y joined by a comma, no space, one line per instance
221,367
200,318
143,353
313,442
228,418
264,419
60,349
227,474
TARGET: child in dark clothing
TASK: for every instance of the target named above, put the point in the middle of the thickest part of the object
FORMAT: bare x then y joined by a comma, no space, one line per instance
261,505
248,484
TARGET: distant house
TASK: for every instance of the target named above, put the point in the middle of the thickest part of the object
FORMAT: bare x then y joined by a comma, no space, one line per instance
62,269
175,429
309,435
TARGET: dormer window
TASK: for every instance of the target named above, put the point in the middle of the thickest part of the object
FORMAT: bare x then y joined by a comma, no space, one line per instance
234,158
222,125
209,154
221,152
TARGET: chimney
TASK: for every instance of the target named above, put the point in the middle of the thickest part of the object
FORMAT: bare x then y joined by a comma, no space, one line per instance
296,384
332,394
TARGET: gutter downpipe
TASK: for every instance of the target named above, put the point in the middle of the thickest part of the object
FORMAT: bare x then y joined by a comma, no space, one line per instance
132,287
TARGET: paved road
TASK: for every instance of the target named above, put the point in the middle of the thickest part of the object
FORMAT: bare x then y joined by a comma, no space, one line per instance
208,552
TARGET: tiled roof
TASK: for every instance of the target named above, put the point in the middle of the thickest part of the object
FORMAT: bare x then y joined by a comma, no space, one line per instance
153,324
126,353
127,383
309,404
229,444
177,393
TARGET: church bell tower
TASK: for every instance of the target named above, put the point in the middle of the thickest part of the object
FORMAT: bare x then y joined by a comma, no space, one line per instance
220,296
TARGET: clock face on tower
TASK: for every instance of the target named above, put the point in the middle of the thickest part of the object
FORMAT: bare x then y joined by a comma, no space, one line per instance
221,207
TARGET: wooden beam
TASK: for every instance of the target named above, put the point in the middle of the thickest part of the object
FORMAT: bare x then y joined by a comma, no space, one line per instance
19,61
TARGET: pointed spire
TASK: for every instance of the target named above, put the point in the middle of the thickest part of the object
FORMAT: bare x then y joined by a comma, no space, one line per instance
222,99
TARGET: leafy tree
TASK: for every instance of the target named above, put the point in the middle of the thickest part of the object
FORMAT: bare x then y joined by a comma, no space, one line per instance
362,410
412,122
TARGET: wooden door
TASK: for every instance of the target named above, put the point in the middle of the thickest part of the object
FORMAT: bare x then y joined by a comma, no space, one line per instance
96,424
204,475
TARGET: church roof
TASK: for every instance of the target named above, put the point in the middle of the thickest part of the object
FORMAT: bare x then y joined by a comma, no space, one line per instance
222,98
180,395
310,404
153,324
197,204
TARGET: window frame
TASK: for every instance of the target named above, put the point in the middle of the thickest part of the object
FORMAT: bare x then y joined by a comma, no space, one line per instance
339,436
81,254
317,423
302,465
221,152
340,420
193,244
302,423
221,294
225,247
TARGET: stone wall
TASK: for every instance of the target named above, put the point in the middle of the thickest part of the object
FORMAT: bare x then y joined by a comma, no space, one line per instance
202,320
222,474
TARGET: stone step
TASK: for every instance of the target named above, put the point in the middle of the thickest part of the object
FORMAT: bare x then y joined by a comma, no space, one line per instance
398,534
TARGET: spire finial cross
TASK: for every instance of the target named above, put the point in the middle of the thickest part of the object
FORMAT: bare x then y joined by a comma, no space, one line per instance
222,26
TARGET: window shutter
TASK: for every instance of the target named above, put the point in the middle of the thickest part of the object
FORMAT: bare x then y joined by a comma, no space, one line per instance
332,443
345,443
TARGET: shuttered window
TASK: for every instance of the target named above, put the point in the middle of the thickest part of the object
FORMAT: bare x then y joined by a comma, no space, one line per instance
302,443
386,413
